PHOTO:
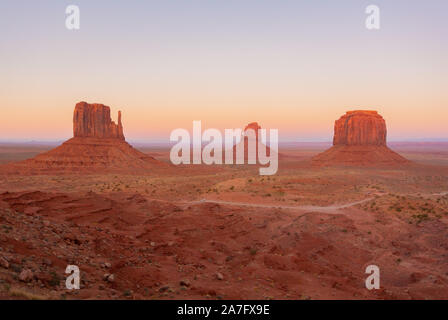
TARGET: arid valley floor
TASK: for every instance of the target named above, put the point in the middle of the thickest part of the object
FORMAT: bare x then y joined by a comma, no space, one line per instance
225,232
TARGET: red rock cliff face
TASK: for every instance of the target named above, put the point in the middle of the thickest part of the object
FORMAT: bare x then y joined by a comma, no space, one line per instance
253,126
93,120
360,128
245,141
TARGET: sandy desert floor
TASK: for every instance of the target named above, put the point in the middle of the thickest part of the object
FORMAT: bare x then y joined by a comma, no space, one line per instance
224,232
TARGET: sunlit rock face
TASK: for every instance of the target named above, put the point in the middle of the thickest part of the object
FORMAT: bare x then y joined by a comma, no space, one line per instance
94,121
360,128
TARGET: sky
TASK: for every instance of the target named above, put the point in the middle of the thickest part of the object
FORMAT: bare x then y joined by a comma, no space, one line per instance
295,66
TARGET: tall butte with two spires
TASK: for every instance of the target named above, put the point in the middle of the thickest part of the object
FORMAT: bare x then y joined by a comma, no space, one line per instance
98,144
93,120
359,140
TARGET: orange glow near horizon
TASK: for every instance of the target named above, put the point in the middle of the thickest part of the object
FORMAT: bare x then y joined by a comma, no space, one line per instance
297,119
298,74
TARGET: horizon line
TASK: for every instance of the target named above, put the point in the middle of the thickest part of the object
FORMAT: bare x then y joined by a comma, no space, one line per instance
167,142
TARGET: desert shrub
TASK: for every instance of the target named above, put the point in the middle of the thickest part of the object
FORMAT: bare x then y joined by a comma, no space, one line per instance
20,293
55,279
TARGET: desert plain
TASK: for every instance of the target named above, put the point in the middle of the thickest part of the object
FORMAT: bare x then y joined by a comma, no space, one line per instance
225,232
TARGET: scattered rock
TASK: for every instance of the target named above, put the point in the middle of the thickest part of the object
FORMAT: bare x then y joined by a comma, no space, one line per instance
164,288
219,276
26,275
128,293
109,277
29,211
47,262
4,263
185,283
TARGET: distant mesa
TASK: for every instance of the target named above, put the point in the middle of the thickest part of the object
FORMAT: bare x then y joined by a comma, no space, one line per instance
360,128
98,144
254,126
359,140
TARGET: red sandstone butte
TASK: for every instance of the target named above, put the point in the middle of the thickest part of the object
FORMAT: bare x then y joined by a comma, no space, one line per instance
359,140
98,145
253,126
93,120
245,141
360,128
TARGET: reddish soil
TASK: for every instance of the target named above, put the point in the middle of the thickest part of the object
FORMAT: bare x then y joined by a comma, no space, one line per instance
86,155
224,232
363,156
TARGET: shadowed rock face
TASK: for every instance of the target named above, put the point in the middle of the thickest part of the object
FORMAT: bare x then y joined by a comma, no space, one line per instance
93,120
360,128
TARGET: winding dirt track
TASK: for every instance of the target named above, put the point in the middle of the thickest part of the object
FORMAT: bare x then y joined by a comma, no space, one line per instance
326,209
